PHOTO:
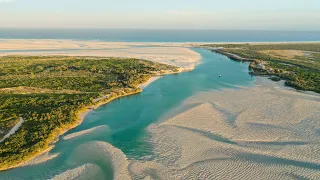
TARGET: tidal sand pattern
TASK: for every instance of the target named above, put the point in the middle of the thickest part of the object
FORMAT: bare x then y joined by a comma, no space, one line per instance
247,133
254,133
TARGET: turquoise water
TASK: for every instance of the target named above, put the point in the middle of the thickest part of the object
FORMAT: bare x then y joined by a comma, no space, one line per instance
129,117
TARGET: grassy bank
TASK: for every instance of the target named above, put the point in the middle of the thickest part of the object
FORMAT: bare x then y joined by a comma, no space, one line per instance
297,63
49,93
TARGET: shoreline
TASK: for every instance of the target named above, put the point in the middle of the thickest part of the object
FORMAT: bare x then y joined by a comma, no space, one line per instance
150,81
176,55
81,114
238,58
183,136
183,58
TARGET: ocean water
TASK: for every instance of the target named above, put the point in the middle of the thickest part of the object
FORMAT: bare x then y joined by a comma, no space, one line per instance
127,118
140,35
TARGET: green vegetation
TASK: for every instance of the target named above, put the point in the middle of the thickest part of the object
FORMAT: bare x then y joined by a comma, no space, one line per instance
275,78
298,64
49,93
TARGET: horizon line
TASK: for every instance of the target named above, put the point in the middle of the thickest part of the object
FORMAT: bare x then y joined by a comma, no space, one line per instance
164,29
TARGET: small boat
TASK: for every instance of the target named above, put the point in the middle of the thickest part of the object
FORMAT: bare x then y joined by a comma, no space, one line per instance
220,75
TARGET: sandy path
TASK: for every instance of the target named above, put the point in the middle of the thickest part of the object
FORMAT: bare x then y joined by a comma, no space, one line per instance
13,130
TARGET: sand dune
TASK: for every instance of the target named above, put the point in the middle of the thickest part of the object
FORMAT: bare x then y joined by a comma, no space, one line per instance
172,54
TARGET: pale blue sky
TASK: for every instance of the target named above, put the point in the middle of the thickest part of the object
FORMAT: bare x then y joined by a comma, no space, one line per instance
165,14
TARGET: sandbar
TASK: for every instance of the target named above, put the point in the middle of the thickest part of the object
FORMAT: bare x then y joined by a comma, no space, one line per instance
260,132
267,131
83,132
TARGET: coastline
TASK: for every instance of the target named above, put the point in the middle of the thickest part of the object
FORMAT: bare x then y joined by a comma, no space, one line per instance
151,80
232,56
221,135
81,114
84,111
260,67
183,142
183,58
167,53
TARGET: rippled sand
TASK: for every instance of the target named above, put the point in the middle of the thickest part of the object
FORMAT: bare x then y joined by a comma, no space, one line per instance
86,171
261,132
254,133
110,159
41,158
100,161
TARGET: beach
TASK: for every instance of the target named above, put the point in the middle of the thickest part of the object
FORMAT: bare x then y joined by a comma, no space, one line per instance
151,80
167,53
